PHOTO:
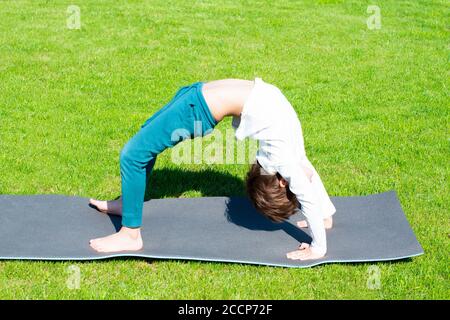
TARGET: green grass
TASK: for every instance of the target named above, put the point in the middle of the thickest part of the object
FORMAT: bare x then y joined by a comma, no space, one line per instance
373,105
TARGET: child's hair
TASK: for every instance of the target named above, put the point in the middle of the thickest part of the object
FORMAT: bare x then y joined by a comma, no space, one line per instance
274,201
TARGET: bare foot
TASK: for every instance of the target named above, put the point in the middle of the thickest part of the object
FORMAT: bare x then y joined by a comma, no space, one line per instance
328,222
111,207
126,239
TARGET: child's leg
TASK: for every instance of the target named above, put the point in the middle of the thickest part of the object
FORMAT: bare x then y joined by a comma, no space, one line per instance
137,159
172,124
114,207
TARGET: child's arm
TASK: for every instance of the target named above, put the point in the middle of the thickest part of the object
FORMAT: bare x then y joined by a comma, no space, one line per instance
300,185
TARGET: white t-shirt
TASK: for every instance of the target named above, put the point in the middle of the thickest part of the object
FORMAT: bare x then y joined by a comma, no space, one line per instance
268,117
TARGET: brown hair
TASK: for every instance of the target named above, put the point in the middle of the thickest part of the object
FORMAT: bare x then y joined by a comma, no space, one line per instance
272,200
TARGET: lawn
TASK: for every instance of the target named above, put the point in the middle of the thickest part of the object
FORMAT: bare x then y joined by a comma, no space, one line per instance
373,104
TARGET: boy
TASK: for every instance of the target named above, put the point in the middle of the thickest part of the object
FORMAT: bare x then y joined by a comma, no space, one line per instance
281,179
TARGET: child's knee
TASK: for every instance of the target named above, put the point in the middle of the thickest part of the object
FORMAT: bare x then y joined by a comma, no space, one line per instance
126,155
134,157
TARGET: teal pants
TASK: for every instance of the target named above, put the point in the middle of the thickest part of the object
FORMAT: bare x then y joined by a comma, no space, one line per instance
186,116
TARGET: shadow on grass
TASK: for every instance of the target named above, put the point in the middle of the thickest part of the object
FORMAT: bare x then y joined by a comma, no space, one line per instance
174,182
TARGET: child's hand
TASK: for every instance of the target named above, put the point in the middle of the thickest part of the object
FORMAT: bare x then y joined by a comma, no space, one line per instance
304,252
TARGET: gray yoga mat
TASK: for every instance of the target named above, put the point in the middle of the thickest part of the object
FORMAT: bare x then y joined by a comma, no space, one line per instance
55,227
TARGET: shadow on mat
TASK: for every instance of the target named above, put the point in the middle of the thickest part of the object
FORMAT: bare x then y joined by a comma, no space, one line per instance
173,183
242,213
